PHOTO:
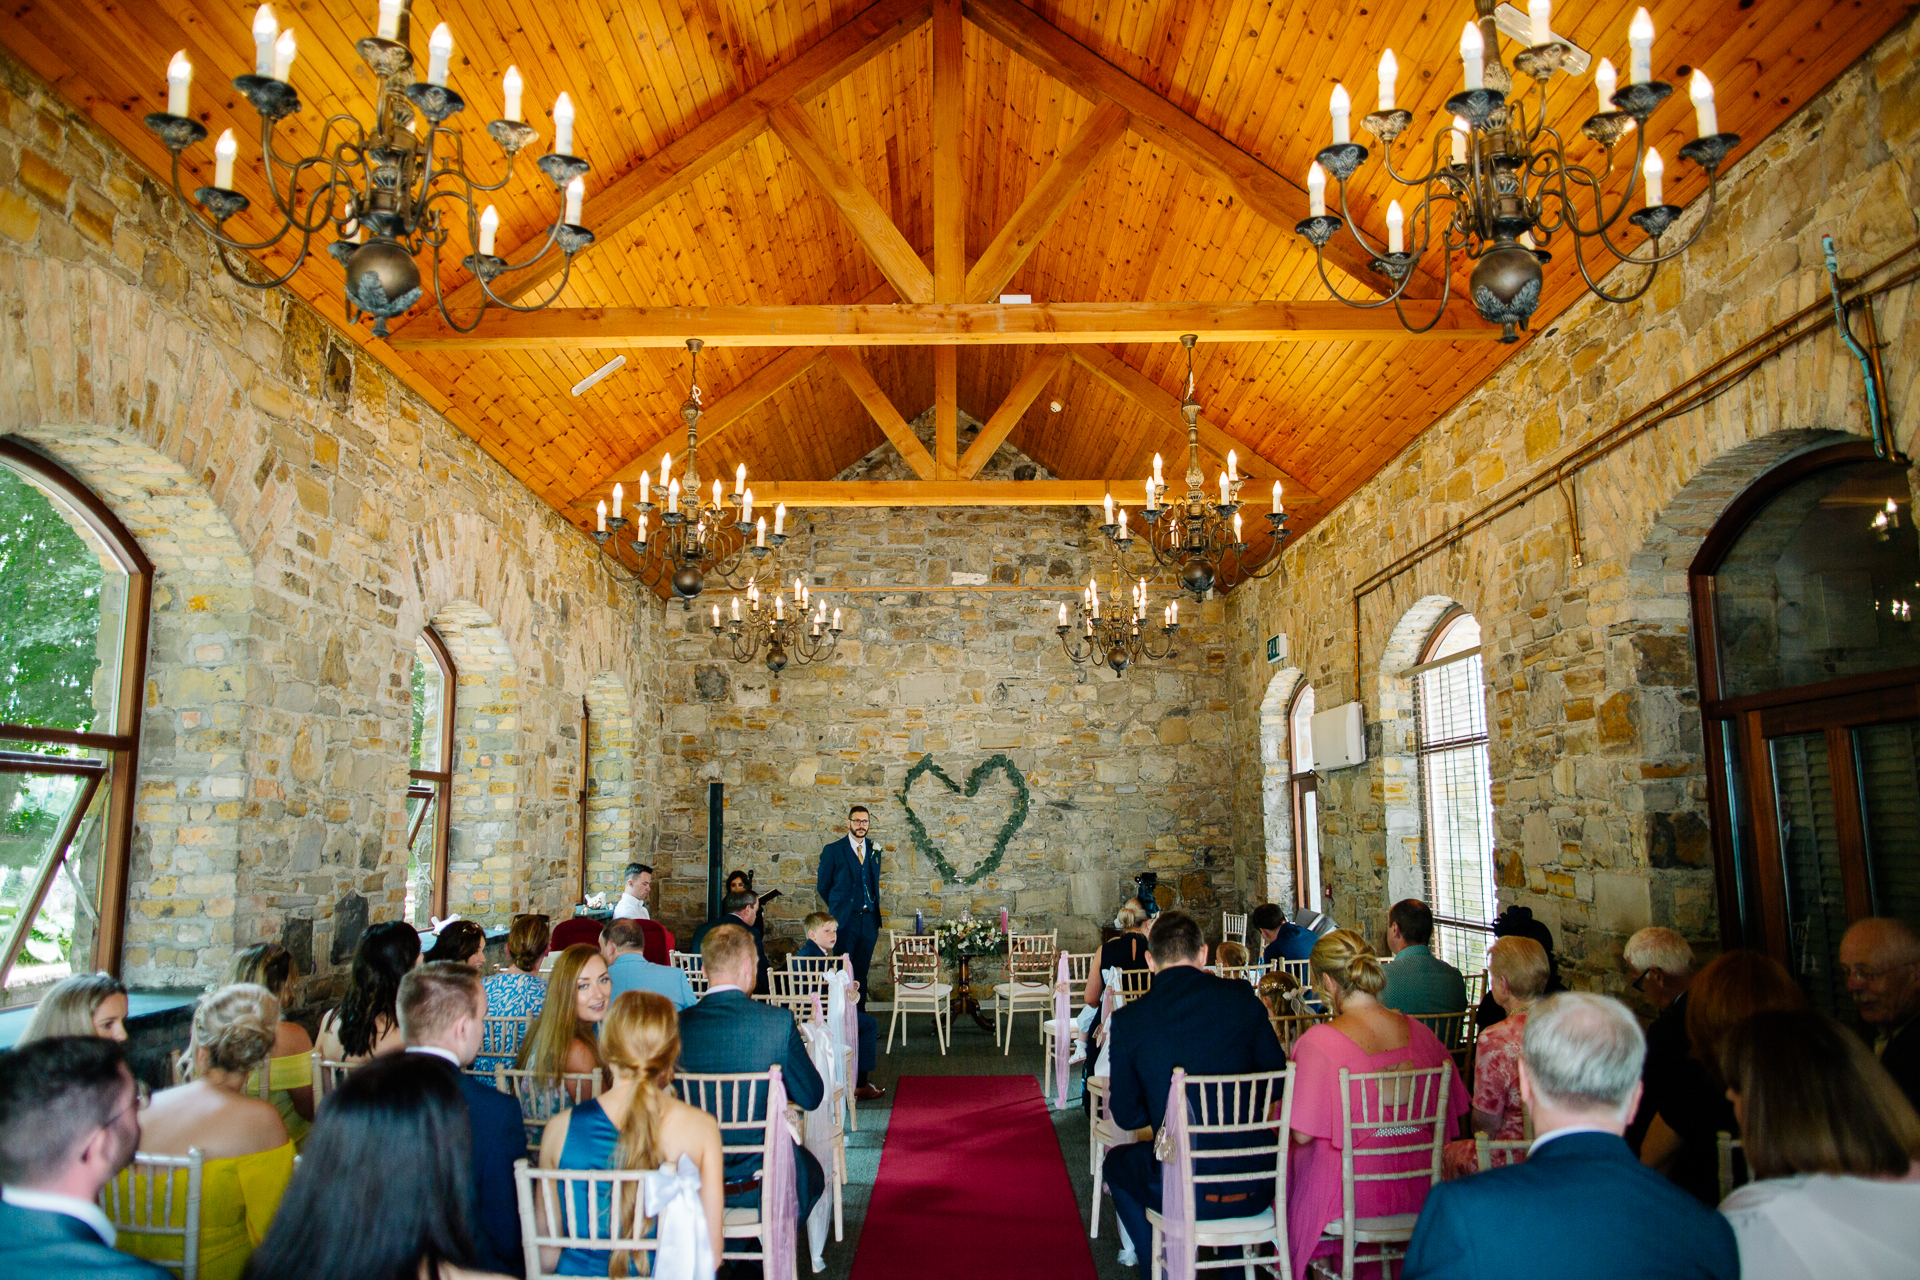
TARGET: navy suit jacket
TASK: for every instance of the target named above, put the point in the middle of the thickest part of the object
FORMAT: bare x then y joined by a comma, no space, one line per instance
34,1242
1581,1208
759,946
1291,943
499,1138
728,1032
838,881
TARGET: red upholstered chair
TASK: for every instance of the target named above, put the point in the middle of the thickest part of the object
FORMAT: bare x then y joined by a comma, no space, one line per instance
580,929
660,940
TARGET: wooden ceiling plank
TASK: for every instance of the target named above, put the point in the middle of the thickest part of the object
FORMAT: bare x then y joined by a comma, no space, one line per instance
1046,201
996,429
860,379
813,494
949,220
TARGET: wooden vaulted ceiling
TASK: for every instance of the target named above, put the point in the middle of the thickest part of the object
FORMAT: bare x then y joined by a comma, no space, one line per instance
787,153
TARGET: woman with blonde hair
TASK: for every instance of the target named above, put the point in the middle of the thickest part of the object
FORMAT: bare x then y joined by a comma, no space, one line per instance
248,1156
518,990
87,1004
1364,1036
637,1124
1517,972
563,1040
290,1069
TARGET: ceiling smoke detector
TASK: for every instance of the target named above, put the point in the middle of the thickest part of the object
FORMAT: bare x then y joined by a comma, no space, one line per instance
1056,406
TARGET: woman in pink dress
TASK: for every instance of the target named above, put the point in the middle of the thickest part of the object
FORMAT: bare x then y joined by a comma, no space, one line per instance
1517,972
1363,1036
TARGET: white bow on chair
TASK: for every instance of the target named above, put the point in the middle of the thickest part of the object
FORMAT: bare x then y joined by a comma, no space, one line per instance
680,1223
1062,1035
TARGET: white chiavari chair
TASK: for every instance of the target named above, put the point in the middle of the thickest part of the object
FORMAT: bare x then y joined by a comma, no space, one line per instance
915,966
1476,988
1233,928
500,1038
327,1075
1244,972
1385,1114
1733,1171
1250,1116
690,963
807,974
747,1127
1485,1147
541,1098
1079,964
1289,1027
587,1209
1134,983
158,1197
1031,961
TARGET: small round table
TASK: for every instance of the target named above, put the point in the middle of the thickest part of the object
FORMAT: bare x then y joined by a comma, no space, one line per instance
963,1001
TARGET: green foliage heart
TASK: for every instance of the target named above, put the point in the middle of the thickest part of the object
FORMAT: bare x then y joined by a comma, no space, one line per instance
924,843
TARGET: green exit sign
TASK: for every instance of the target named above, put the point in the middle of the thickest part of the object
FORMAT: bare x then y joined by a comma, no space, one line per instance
1276,649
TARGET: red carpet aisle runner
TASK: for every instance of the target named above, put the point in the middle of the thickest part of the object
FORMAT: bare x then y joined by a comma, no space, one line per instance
972,1187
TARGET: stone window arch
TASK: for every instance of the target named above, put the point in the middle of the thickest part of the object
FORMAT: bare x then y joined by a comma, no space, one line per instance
1451,741
1276,770
433,684
487,864
1397,751
611,746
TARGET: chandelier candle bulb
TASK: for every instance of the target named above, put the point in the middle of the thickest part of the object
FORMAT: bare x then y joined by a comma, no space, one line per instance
1159,480
673,498
716,493
1640,45
1236,528
1233,467
1700,89
1389,72
1109,508
1458,136
1342,108
223,153
736,608
641,535
740,478
646,482
1226,495
760,532
1093,594
779,608
439,54
283,53
1606,81
666,462
489,227
265,29
1317,201
779,519
1123,523
616,501
746,503
511,88
576,192
563,125
1656,169
390,19
1473,55
1175,606
179,80
1063,615
716,617
836,619
1396,227
600,518
1276,497
1541,14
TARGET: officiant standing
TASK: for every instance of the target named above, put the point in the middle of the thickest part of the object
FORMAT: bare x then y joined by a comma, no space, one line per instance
849,883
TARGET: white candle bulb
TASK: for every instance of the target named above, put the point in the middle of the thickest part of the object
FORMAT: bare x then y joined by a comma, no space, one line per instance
618,495
439,54
390,19
1472,52
1458,136
1700,89
736,608
1655,169
283,52
799,590
1109,510
1150,503
673,498
1342,108
1158,479
740,478
1063,615
646,482
666,461
511,88
1526,240
642,535
836,619
1276,497
1640,46
1225,493
780,519
265,28
779,608
1396,227
1123,522
601,517
489,227
1236,528
223,153
179,80
1606,82
716,493
576,192
1541,12
1317,190
746,505
1176,613
716,617
563,125
1233,466
1389,72
760,532
1093,594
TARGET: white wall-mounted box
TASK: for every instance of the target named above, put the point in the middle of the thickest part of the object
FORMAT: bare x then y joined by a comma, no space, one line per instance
1339,737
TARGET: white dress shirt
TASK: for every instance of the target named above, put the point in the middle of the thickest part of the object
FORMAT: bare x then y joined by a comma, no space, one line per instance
630,908
52,1202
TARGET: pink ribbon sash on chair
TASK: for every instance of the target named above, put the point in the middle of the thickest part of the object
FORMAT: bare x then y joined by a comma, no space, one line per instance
852,1006
1062,1035
1176,1183
779,1194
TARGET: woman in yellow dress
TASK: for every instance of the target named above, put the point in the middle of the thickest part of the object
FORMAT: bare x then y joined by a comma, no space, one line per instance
244,1146
290,1070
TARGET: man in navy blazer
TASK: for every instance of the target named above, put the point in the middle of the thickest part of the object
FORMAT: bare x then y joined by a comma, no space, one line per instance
729,1032
69,1122
849,883
442,1010
1581,1207
1209,1026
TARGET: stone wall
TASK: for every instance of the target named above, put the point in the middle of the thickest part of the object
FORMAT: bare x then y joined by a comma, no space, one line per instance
1597,752
308,515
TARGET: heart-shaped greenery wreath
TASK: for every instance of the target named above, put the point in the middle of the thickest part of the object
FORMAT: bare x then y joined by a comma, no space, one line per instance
924,843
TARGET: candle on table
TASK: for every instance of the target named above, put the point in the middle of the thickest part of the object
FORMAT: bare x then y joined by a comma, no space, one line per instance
489,227
1317,190
576,192
390,19
1389,72
511,87
1472,54
563,125
179,79
283,52
265,29
1541,12
439,54
1656,169
1640,47
1606,81
1700,89
601,517
1396,227
1458,137
223,153
1342,107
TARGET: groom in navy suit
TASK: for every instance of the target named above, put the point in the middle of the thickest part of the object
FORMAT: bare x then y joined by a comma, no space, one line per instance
849,883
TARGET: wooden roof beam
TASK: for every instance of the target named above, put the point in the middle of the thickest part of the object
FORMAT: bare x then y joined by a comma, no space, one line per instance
949,224
841,185
935,324
860,380
997,428
932,493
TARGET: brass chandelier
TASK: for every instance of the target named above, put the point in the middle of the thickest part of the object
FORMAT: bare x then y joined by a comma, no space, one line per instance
1117,639
805,634
680,540
388,193
1506,188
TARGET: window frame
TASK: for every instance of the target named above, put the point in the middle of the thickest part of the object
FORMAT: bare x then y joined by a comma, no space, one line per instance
1422,749
438,783
122,746
1301,782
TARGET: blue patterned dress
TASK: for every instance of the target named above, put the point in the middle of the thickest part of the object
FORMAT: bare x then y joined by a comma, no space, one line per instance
509,995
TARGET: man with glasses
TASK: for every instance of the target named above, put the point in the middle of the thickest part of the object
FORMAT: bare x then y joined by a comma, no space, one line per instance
1881,960
69,1122
1673,1082
849,883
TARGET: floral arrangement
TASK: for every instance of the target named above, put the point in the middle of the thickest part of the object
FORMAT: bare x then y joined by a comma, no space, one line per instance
979,936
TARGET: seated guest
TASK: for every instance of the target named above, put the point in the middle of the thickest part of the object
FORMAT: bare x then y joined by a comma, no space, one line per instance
69,1122
365,1025
1417,980
1206,1024
1517,975
384,1188
742,908
462,942
1881,959
1661,962
443,1009
1363,1036
518,990
1580,1207
289,1070
633,901
823,933
86,1004
248,1155
1232,955
636,1124
1518,922
621,945
1280,938
731,1032
1126,952
564,1039
1683,1140
1832,1143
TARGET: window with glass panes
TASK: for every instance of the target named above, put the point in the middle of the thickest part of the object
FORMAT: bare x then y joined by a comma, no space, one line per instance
1456,804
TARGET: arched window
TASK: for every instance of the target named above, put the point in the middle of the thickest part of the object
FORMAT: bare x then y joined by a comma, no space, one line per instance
1304,791
1806,604
429,778
74,591
1456,790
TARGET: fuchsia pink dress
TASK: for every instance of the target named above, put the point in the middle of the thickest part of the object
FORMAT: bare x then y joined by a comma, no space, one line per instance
1313,1174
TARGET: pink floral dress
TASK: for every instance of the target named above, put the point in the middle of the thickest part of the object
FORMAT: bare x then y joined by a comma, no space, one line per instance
1496,1090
